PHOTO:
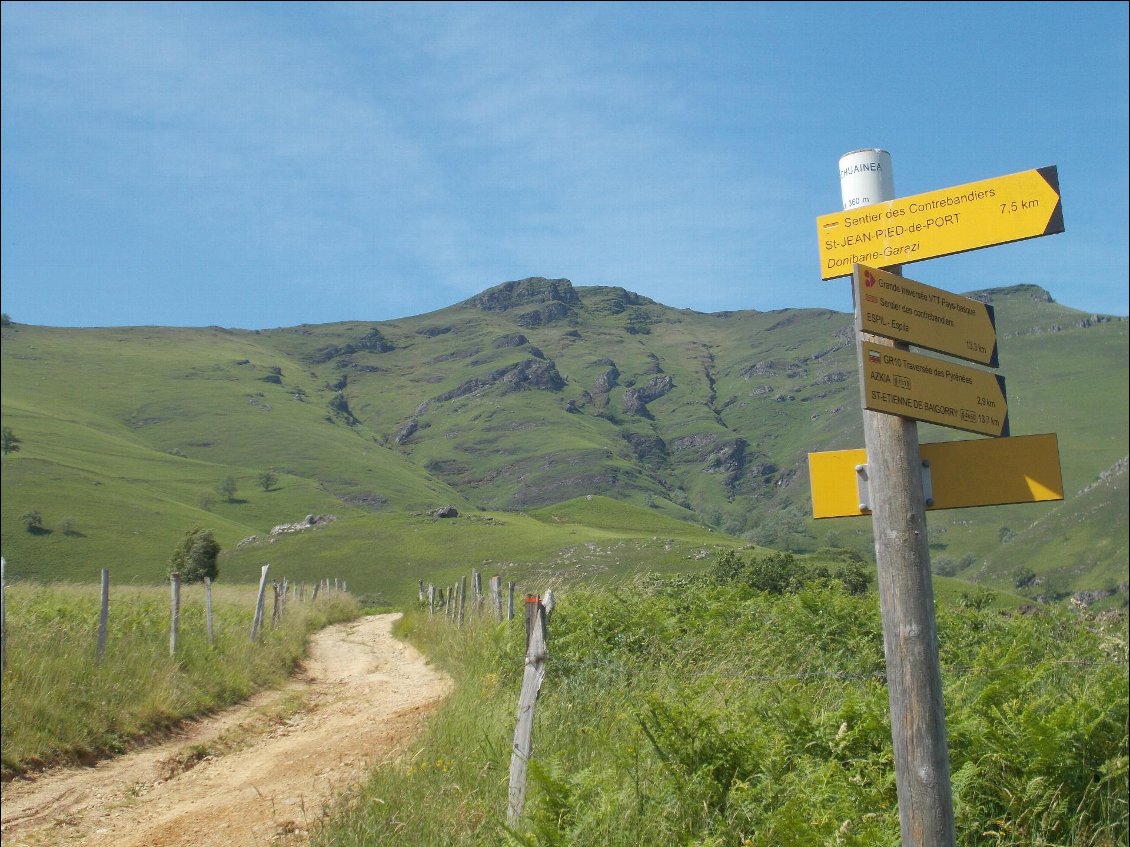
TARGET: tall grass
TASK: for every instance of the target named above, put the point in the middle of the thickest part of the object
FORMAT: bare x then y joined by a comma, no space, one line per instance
60,706
678,712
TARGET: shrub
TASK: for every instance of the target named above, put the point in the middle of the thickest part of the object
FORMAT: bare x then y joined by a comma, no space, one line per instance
227,488
195,557
9,442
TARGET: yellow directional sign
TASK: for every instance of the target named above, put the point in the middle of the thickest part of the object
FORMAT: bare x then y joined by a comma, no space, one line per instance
896,307
983,472
899,382
939,223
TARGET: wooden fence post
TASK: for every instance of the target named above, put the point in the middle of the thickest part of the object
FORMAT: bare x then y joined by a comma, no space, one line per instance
258,620
208,611
496,596
510,605
3,613
532,677
103,617
174,625
275,609
462,600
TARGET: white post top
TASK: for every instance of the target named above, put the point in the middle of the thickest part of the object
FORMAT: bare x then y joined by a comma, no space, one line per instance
866,177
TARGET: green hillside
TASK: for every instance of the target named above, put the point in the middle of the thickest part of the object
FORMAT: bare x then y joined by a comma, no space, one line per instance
528,395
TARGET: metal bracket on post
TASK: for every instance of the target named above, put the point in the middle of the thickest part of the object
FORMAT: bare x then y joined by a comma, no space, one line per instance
863,486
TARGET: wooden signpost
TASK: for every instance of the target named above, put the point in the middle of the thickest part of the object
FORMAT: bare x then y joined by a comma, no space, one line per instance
894,479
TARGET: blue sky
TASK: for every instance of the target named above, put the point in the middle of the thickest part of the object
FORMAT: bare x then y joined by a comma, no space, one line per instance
260,165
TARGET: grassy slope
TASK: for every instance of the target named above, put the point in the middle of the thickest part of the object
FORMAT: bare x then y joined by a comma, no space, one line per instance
382,557
125,430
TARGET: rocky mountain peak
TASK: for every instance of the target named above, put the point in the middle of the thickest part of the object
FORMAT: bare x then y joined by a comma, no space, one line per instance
532,291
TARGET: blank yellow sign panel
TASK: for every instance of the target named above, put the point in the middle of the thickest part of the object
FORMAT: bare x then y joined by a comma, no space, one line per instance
984,472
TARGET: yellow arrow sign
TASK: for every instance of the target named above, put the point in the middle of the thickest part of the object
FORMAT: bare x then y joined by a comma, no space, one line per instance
905,310
939,223
983,472
898,382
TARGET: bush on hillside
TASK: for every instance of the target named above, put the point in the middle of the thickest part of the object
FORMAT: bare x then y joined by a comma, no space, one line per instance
227,488
195,557
267,480
9,441
781,573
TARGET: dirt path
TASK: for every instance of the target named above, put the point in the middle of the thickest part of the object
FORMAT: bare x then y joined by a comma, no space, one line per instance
260,773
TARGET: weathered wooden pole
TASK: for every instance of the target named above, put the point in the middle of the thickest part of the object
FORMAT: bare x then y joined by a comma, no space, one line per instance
532,676
258,619
103,617
208,612
277,605
510,606
902,555
462,600
174,624
3,613
496,596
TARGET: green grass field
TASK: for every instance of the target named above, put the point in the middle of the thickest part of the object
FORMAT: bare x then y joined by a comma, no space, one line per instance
60,706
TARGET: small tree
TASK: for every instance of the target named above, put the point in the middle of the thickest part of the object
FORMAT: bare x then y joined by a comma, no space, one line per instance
33,521
267,480
195,557
227,488
9,442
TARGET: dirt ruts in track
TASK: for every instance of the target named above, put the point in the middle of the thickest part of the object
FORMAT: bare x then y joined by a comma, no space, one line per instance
260,773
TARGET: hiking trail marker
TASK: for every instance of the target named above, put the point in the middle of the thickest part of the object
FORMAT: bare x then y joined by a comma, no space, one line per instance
894,478
904,310
940,223
898,382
